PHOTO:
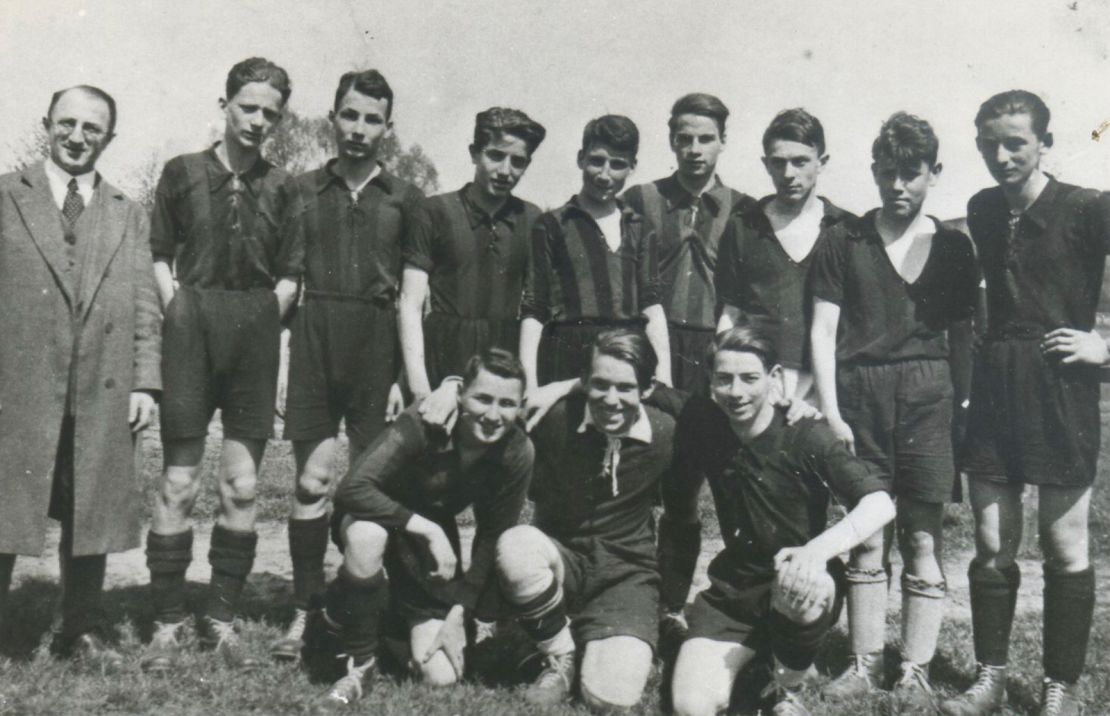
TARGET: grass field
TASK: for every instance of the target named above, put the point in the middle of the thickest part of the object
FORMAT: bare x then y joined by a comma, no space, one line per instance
32,682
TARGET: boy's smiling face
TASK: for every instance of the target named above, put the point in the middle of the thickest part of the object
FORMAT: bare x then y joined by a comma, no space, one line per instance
604,171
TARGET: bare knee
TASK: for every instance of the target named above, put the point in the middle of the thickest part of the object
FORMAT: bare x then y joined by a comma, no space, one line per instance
869,553
363,547
1065,548
614,673
179,489
240,487
521,562
918,545
313,485
438,671
692,699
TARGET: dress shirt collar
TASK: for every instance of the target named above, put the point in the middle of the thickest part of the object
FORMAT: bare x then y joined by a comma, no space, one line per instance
58,179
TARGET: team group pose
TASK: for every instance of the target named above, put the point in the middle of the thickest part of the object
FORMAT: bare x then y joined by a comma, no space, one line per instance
601,359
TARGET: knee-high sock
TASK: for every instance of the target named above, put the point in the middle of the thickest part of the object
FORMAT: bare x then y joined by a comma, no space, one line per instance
544,618
795,645
167,558
7,566
355,606
867,591
231,555
993,599
922,613
1069,605
308,542
83,585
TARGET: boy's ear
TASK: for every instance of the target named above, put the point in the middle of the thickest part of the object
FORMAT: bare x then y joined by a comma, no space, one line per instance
473,149
937,169
1047,140
823,160
331,115
222,102
646,392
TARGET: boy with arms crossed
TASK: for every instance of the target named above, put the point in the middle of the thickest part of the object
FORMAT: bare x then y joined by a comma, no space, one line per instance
1034,413
689,210
228,252
396,509
344,353
767,250
469,248
595,265
894,293
773,585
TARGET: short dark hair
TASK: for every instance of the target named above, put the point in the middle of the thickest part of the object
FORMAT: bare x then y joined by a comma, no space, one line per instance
906,140
702,104
502,120
497,361
745,337
795,125
613,130
368,82
89,90
630,346
258,69
1016,102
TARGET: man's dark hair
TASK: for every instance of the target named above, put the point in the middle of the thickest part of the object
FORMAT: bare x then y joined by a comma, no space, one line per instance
497,361
745,337
630,346
612,130
368,82
907,141
1016,102
495,121
258,69
795,125
701,104
93,91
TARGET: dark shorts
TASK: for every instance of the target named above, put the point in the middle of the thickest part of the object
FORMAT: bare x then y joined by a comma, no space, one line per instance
220,349
343,359
565,348
450,341
741,615
1031,419
609,591
689,351
901,417
414,596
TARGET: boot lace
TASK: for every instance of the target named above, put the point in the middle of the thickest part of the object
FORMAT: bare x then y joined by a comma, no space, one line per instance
165,634
984,681
914,676
349,688
1055,693
557,667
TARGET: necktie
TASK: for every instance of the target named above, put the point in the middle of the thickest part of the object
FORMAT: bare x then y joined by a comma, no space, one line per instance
73,205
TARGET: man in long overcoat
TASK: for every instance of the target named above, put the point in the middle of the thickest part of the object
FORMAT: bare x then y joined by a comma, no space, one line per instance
79,361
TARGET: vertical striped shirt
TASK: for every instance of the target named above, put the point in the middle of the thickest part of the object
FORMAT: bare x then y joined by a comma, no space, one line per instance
475,262
689,230
575,276
353,244
757,276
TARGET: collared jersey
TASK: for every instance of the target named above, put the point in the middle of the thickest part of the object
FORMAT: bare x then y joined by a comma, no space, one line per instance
475,262
757,276
772,491
412,468
882,317
689,230
575,276
353,243
223,230
576,494
1048,273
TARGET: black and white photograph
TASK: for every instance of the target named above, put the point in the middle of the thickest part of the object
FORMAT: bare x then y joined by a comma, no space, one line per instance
482,358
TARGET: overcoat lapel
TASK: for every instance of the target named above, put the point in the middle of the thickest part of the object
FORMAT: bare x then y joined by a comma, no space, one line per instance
109,222
44,223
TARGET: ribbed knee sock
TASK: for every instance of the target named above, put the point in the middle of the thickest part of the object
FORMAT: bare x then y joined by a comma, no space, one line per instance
167,558
1069,607
231,555
993,600
355,605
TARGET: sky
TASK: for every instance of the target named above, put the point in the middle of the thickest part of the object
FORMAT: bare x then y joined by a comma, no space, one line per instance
852,63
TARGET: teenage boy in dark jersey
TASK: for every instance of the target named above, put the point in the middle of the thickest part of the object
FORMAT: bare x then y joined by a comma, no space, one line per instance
766,252
344,352
595,265
396,511
583,576
689,210
469,249
228,253
894,292
1034,413
774,588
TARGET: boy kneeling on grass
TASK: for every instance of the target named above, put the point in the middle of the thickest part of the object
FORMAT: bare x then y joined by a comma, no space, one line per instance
773,586
396,510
